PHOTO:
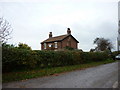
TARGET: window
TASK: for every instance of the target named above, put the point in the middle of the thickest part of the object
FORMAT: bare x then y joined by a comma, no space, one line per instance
50,45
44,45
55,44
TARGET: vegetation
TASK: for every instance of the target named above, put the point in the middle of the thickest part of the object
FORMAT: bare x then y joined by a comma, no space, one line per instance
103,44
68,48
115,53
27,74
21,62
4,45
24,46
24,63
5,30
19,59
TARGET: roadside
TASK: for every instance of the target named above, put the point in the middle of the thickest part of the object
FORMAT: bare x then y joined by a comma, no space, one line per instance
102,76
24,75
115,85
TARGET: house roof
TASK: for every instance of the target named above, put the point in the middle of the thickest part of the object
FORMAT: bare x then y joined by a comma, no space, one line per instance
57,38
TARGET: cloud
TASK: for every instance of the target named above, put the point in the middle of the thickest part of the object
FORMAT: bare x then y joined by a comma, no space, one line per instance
32,22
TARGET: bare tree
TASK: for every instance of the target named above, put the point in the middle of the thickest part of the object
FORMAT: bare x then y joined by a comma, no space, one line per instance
5,30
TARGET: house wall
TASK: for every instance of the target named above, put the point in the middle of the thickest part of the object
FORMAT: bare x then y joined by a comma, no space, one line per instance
42,47
51,48
69,41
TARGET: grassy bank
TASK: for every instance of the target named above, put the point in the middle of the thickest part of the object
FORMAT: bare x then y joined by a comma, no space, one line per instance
27,74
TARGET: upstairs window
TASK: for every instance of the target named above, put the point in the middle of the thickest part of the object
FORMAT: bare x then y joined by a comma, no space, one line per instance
44,45
56,45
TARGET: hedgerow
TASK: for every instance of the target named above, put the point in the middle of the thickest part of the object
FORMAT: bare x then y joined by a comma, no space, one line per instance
18,59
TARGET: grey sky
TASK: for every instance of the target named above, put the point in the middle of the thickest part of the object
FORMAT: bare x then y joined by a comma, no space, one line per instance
33,20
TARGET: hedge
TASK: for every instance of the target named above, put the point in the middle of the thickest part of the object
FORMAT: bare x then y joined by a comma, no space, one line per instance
18,59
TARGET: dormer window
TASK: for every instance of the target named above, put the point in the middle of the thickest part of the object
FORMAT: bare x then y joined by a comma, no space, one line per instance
56,45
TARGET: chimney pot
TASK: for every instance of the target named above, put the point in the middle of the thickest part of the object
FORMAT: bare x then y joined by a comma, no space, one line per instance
68,31
50,34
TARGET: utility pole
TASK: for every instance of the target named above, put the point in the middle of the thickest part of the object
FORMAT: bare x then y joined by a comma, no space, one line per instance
117,45
118,38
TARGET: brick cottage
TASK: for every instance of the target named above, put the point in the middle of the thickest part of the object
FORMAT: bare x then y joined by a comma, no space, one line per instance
59,42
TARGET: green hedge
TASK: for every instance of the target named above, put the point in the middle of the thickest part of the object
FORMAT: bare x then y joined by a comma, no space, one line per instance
18,59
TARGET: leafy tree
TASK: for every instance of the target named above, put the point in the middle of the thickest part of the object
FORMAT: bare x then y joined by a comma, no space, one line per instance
4,45
24,46
103,44
5,30
92,50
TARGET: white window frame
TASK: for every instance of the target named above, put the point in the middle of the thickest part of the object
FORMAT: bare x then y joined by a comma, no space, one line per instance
45,45
56,46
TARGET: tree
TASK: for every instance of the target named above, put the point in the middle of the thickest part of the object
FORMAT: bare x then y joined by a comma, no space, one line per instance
92,50
103,44
5,30
4,45
24,46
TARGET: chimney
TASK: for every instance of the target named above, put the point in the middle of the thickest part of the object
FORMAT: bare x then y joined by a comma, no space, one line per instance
50,35
68,31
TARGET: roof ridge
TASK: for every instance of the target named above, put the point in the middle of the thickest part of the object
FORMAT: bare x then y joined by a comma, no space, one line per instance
60,35
56,38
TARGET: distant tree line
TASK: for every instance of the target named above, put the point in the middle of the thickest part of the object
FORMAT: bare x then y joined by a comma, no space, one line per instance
20,46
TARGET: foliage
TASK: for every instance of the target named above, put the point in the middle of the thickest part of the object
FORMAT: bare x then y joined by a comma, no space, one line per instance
27,74
103,44
23,46
4,45
20,59
68,48
115,53
92,50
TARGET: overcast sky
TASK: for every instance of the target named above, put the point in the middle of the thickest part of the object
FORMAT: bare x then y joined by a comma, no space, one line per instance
32,20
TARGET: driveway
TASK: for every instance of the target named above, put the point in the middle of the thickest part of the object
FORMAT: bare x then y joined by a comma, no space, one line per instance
103,76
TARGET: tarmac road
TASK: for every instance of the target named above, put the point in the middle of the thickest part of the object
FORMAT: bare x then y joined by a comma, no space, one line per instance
103,76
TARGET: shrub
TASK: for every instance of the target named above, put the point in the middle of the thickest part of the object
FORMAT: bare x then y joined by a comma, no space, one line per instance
18,59
24,46
68,48
113,54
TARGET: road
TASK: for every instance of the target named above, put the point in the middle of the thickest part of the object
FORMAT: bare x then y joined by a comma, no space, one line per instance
103,76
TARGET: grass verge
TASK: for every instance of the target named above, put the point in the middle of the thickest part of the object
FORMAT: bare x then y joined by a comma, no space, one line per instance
24,75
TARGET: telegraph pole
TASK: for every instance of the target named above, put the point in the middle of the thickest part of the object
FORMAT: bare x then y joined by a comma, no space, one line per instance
117,45
118,38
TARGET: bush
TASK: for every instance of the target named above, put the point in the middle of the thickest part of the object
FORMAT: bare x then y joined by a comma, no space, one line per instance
68,48
113,54
24,46
18,59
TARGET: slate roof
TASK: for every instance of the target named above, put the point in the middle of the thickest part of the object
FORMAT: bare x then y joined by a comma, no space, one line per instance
57,38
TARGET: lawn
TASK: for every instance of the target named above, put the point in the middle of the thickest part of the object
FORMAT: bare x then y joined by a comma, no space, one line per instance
28,74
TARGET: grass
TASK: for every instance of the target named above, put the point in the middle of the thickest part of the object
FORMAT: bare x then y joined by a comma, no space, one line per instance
24,75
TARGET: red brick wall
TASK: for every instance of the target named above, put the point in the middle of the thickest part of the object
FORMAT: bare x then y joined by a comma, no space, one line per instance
69,41
48,48
42,46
